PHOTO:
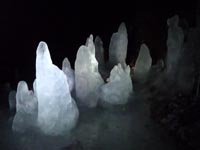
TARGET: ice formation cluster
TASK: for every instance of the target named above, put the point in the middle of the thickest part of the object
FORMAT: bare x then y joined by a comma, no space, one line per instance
50,106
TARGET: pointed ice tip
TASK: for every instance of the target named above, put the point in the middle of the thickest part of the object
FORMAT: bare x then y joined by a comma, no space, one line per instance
66,63
42,47
173,21
66,60
98,40
22,86
91,37
144,46
43,53
89,40
122,27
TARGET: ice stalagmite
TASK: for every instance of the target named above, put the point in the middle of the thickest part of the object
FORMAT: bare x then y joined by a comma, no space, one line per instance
99,51
26,108
119,87
12,100
118,47
87,77
143,62
175,41
69,72
99,54
57,111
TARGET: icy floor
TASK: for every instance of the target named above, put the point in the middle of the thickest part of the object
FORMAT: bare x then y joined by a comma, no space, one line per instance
126,128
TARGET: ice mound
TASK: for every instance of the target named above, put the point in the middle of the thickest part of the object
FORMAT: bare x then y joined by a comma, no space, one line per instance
26,108
119,87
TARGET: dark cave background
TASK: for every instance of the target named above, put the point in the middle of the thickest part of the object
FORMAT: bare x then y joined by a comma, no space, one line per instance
65,25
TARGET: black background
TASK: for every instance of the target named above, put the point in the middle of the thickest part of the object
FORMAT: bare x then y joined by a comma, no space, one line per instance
65,25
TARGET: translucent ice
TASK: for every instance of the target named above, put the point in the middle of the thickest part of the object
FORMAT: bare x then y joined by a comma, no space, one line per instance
99,54
87,77
69,72
119,86
143,62
12,100
26,108
57,111
99,51
118,46
174,43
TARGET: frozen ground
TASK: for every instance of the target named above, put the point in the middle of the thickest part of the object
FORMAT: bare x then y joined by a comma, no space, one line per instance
124,128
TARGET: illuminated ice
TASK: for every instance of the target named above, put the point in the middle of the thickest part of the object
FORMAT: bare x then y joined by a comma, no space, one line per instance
26,108
69,72
12,100
118,46
119,87
174,43
87,77
57,111
143,62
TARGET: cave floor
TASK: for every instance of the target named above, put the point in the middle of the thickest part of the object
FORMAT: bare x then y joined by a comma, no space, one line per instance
128,128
